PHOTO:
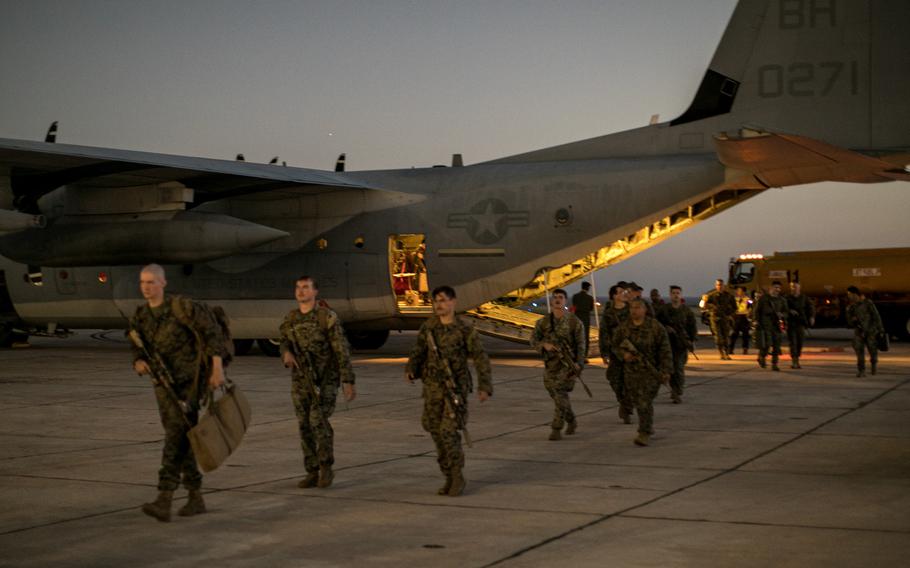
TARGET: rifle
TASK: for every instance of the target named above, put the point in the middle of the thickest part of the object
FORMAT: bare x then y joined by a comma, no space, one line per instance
161,375
454,405
683,336
308,372
565,357
627,345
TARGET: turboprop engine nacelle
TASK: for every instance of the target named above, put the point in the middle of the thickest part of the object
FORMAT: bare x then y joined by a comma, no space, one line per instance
183,237
12,221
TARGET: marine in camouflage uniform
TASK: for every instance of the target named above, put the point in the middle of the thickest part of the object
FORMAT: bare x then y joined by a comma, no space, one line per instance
770,311
444,417
863,317
314,345
560,330
612,318
801,315
646,367
721,306
679,322
190,346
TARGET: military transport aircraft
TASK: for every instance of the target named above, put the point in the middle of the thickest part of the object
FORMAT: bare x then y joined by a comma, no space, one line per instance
797,92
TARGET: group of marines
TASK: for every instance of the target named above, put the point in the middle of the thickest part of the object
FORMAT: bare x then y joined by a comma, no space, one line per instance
770,315
643,346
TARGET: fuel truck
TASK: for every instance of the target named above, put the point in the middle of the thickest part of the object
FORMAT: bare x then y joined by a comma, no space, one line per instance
882,274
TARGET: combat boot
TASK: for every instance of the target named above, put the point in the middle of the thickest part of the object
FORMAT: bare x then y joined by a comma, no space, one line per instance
761,362
874,367
444,490
642,439
555,435
326,475
571,426
194,505
860,372
458,483
160,508
675,398
309,481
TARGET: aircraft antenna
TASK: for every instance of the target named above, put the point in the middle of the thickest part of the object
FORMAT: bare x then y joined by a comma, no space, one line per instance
51,135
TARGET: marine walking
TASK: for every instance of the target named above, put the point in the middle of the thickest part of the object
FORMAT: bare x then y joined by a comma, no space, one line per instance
560,338
314,346
179,344
642,344
440,360
679,322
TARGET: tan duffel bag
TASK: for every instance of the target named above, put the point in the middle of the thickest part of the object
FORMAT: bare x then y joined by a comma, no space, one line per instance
221,428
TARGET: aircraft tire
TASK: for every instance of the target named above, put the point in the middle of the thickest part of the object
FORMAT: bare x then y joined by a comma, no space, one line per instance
242,346
270,347
9,336
367,339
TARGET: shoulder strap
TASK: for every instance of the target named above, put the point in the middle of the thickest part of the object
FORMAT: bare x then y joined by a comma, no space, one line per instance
179,307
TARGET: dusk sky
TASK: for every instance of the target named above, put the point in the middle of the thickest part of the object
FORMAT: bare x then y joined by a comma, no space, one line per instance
396,84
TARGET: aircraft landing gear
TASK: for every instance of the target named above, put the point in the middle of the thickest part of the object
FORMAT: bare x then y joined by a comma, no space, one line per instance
242,346
270,347
367,339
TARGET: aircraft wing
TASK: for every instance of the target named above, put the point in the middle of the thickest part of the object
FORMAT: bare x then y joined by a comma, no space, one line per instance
36,168
780,160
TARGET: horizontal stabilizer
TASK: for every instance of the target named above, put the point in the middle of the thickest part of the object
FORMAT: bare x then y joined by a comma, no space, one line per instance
779,160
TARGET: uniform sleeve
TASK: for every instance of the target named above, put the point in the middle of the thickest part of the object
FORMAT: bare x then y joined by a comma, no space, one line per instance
615,341
851,315
134,325
418,357
341,349
876,319
604,337
286,335
664,354
580,342
537,336
203,323
691,330
481,362
731,305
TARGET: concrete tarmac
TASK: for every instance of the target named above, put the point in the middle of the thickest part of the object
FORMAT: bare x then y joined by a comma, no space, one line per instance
803,468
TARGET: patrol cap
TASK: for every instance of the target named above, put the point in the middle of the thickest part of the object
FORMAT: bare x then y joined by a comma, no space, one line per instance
634,286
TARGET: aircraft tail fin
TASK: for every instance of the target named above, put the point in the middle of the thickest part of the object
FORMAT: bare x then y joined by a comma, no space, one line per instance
831,70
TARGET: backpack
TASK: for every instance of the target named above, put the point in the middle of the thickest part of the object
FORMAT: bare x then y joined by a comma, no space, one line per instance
181,306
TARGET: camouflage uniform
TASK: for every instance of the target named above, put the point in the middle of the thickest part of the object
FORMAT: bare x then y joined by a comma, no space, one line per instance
567,332
651,341
768,313
801,311
866,322
680,325
456,342
609,323
721,307
330,355
164,333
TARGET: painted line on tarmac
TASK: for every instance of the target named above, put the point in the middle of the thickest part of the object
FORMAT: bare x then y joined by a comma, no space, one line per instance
623,512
